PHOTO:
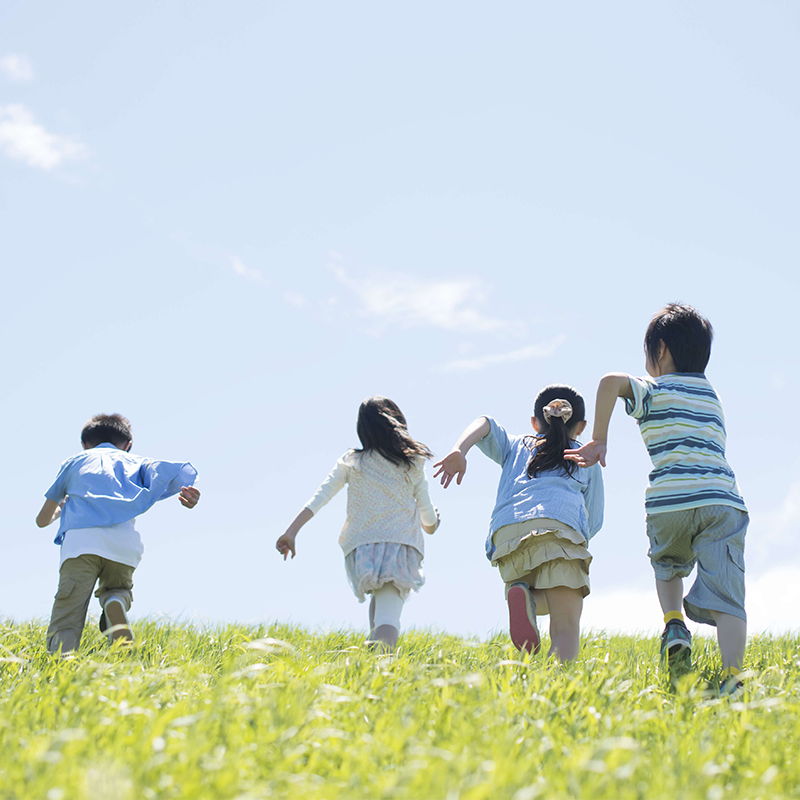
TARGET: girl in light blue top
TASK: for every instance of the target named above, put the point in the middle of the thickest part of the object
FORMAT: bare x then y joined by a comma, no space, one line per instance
545,513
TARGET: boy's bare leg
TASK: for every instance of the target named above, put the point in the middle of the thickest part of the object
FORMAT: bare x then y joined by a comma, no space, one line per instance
565,605
670,594
732,638
372,614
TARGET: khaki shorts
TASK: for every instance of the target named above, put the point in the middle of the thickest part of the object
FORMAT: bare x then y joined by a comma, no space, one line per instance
77,578
711,537
543,553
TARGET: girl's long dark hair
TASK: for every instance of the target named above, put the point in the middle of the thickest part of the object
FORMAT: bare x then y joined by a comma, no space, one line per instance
382,427
553,438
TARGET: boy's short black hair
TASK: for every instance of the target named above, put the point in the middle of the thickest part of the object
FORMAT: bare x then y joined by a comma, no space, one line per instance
685,332
112,428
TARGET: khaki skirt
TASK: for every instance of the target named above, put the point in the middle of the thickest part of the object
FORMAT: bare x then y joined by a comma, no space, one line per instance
543,553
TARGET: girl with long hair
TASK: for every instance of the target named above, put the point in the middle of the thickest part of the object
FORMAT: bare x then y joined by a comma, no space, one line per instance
388,507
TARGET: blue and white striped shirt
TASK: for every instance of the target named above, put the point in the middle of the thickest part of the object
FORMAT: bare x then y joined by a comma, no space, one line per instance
681,421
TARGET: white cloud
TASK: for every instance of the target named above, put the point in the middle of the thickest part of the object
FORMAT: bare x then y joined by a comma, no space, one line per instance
410,302
521,354
778,530
16,68
248,273
772,604
23,139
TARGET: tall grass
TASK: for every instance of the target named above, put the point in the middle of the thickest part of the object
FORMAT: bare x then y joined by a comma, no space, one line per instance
238,712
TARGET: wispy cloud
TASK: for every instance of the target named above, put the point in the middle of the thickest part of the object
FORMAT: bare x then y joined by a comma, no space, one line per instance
23,139
248,273
778,530
521,354
16,68
409,301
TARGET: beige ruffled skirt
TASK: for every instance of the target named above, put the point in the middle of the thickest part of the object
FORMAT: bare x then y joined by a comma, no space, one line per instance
543,553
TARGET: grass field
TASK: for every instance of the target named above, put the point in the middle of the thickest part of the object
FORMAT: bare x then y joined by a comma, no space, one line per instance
238,712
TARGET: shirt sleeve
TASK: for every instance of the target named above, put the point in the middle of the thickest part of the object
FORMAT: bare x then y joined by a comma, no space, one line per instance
639,407
495,444
58,491
332,485
422,495
594,498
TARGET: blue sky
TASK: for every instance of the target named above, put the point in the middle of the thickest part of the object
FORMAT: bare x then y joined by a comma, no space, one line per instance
231,224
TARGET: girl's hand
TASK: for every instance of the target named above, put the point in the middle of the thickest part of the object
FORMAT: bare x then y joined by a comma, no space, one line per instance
189,496
589,454
285,545
453,465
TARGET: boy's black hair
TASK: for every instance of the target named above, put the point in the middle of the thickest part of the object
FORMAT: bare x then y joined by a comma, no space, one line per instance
553,438
686,334
111,428
381,426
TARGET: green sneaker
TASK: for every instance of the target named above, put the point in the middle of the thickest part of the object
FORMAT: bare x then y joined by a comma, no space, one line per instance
676,646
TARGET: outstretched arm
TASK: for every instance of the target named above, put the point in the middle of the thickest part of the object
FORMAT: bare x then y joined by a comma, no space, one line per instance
454,464
612,386
285,543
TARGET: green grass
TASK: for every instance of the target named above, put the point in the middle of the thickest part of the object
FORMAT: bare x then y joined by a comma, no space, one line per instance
238,712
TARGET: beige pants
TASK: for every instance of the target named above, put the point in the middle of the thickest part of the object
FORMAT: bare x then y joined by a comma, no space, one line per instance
76,581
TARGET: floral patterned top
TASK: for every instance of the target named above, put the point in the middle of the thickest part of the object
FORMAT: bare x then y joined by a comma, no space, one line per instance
385,502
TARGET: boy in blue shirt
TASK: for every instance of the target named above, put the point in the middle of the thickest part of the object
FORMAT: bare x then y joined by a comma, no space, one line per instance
695,512
97,495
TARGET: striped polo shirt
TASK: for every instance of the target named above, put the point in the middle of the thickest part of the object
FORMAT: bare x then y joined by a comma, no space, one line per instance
683,427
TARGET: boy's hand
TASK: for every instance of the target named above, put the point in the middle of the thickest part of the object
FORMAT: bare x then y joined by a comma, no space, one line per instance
189,496
589,454
285,545
453,465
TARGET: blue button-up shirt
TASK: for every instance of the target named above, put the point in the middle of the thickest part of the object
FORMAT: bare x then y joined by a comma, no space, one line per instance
105,486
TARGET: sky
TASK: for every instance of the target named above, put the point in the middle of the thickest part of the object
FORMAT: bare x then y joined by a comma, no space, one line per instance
232,223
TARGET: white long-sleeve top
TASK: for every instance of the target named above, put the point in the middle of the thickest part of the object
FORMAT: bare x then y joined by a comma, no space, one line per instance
385,502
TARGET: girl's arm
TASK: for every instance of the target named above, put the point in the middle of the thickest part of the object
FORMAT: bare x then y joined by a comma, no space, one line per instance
285,543
335,481
612,386
454,464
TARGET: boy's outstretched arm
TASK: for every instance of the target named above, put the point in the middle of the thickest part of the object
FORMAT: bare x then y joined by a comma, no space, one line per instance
285,543
189,496
454,464
50,512
612,386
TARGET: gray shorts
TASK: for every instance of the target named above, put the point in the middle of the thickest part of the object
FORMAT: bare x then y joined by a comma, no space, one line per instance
713,538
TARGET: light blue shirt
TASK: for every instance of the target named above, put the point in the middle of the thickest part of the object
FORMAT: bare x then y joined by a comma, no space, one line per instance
576,500
105,486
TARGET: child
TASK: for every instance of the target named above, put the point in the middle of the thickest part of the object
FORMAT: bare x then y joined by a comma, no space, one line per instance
387,500
546,512
695,512
97,494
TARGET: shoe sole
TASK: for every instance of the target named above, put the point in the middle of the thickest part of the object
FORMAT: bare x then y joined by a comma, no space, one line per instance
679,658
524,634
118,624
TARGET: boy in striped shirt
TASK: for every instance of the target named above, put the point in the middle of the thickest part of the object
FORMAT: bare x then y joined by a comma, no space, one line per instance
695,513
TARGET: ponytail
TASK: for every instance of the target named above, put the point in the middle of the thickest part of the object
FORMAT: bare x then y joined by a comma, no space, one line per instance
555,407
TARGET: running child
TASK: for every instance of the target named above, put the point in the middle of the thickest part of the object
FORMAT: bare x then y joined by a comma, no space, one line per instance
695,512
387,503
96,495
545,513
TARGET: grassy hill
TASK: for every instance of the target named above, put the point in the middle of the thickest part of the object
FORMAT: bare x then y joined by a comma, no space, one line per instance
238,712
